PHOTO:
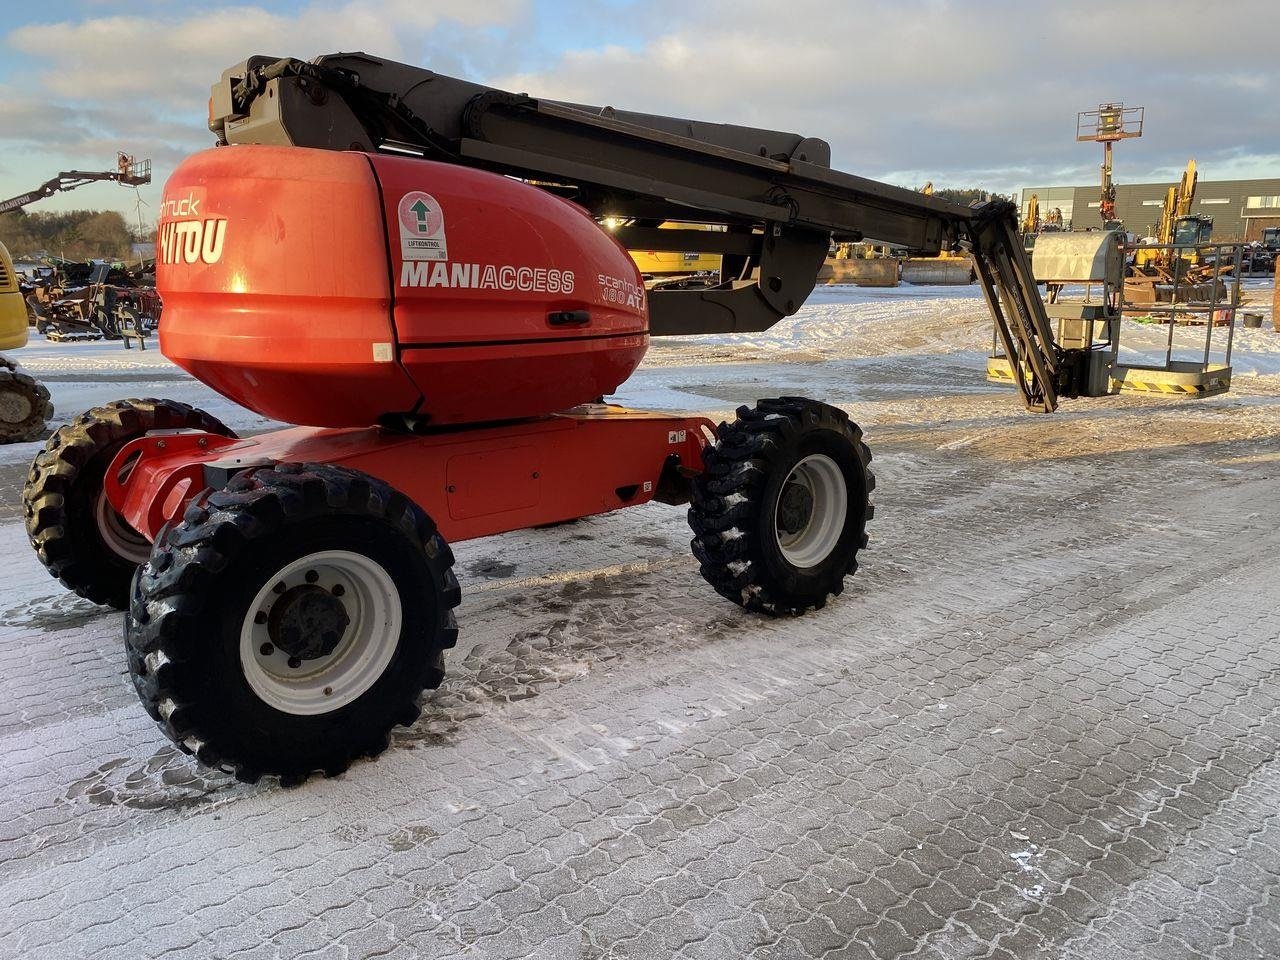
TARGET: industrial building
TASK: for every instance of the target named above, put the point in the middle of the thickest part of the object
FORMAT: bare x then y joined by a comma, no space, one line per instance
1241,209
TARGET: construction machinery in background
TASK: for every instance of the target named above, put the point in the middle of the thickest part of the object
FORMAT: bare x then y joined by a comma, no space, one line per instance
95,301
673,268
862,264
65,309
1109,124
290,595
1178,225
1173,256
25,407
1033,224
129,172
1084,278
947,267
1031,219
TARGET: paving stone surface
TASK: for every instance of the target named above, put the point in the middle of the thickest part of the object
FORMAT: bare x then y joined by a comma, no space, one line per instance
1042,721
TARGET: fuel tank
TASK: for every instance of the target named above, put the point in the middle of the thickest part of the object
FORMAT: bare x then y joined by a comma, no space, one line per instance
339,289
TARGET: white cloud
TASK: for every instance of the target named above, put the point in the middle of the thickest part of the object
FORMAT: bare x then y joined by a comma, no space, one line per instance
956,92
982,92
177,58
140,83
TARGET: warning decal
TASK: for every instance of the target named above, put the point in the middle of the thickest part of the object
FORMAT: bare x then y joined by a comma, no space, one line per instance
421,227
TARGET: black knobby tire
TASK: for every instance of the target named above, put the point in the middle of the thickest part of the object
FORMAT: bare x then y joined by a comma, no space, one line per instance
25,406
61,497
735,508
191,600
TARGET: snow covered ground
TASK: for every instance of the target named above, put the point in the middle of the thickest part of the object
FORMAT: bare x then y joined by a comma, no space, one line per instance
1042,720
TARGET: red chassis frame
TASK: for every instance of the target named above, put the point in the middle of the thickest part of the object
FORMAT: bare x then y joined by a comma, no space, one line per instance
473,481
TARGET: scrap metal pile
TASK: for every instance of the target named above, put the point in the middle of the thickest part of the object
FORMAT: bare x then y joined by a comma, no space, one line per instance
91,301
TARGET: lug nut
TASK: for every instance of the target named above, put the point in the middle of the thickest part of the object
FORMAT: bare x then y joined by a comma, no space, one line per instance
278,588
267,649
259,618
328,691
312,576
295,662
338,590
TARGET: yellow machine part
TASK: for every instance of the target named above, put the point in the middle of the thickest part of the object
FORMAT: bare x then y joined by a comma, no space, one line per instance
13,309
658,263
1031,222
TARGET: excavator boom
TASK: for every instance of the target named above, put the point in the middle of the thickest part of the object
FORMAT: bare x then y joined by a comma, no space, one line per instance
774,194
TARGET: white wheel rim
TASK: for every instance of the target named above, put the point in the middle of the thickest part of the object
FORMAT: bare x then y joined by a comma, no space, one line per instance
326,683
120,538
807,541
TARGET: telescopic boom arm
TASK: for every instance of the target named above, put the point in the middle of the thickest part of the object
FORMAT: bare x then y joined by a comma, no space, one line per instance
774,193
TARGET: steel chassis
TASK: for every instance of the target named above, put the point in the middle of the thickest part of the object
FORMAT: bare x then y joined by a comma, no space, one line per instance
474,482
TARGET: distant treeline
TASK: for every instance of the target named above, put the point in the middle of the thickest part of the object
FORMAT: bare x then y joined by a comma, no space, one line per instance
74,234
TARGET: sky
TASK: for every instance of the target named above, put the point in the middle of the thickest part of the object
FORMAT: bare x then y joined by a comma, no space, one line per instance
957,92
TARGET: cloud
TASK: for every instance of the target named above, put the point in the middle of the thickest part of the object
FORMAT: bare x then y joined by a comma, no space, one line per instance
956,92
960,93
140,83
176,58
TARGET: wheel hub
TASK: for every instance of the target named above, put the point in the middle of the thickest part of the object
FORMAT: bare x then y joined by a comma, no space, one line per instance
795,508
308,622
14,407
812,506
320,632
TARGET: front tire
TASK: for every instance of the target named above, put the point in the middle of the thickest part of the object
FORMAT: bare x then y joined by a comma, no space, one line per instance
75,531
780,511
291,621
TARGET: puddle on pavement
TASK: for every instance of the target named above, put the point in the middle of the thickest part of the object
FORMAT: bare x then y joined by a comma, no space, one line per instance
51,614
650,541
489,568
409,838
170,780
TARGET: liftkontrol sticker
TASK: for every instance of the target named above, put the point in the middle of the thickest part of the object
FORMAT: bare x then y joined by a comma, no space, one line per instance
421,227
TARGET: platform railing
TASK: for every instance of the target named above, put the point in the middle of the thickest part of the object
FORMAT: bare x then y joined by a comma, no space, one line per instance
1202,285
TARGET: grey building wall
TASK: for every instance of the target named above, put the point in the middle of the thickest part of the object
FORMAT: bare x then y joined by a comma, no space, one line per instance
1240,208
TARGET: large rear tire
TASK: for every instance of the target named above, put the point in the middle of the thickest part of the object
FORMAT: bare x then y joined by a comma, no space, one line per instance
25,406
780,511
76,533
291,621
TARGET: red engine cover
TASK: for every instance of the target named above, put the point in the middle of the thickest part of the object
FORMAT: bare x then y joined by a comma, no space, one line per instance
332,289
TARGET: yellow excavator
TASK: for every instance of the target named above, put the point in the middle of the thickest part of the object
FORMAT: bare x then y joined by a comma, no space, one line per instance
1177,259
1178,226
25,407
1031,222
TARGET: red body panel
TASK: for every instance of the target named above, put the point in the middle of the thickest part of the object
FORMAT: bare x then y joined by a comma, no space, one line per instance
473,483
273,270
332,289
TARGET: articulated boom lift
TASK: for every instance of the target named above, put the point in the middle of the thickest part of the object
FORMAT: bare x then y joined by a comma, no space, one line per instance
775,192
412,269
